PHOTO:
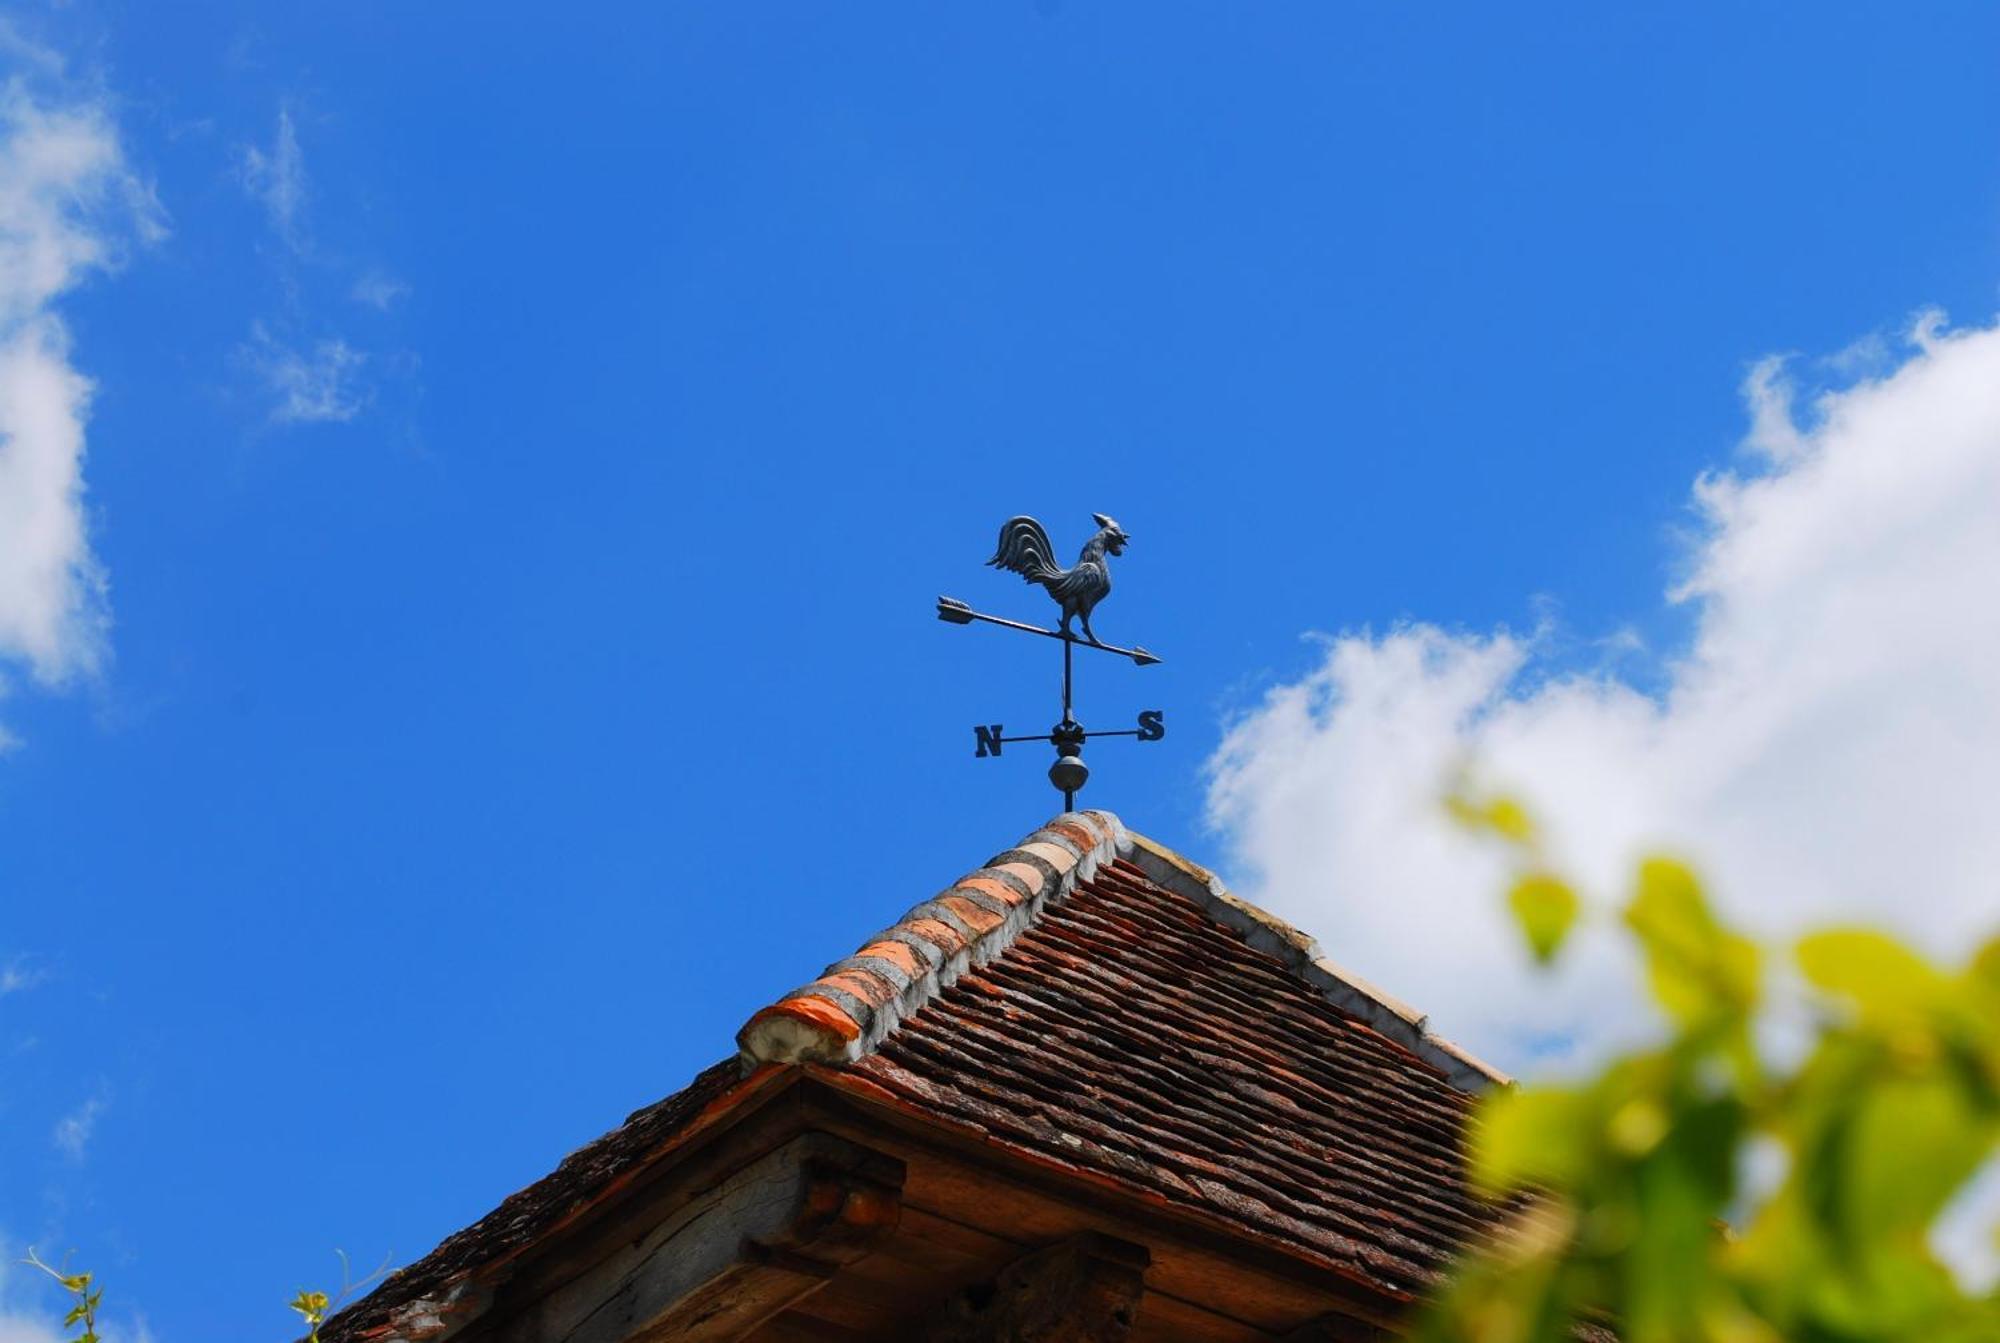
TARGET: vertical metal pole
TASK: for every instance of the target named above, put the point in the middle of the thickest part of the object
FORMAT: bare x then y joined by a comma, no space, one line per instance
1069,795
1067,650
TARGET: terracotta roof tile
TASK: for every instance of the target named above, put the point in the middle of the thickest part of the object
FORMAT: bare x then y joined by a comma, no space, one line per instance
1130,1033
972,921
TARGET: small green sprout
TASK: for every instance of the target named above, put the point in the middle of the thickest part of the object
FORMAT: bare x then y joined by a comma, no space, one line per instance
313,1308
83,1310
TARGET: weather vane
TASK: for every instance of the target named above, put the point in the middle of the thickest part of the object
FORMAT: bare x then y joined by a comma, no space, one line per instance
1024,549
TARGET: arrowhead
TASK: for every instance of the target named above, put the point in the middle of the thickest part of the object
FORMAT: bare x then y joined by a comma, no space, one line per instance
1142,658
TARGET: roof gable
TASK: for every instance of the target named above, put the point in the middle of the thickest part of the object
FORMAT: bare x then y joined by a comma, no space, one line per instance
1088,1005
846,1013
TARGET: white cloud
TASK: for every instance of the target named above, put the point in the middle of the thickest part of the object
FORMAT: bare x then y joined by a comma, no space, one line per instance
74,1130
24,1328
18,976
307,380
1968,1235
276,177
378,290
67,202
28,1312
315,384
1827,748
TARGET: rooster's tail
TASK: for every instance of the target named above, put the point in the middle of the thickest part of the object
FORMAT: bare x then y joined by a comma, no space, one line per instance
1024,548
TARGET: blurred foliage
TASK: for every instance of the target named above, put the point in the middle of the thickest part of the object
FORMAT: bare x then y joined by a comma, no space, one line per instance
1625,1209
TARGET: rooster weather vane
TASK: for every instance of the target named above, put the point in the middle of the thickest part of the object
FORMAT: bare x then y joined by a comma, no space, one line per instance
1024,549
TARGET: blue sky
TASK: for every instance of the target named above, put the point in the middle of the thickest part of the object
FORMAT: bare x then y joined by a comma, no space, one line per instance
525,448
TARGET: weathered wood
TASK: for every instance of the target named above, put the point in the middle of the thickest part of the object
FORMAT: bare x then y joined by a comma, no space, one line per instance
614,1220
1086,1289
1247,1287
791,1328
1337,1329
770,1234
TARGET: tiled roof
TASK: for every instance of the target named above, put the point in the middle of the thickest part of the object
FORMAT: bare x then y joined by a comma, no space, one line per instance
1127,1034
842,1015
849,1009
1097,1004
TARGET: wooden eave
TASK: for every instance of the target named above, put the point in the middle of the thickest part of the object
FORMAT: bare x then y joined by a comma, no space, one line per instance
969,1207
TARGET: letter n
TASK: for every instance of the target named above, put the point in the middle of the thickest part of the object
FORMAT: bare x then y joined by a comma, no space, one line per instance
989,741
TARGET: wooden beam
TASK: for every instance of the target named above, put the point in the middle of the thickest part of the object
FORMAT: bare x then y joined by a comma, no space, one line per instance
1086,1289
1337,1329
795,1328
768,1235
1263,1281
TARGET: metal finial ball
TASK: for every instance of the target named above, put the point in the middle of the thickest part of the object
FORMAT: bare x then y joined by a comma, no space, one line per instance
1069,773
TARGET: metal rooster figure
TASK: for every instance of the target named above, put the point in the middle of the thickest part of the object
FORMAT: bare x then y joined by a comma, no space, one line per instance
1024,549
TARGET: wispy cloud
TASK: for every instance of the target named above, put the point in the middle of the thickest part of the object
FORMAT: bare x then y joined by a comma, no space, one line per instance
276,176
74,1130
69,206
307,372
315,384
378,290
22,1327
19,975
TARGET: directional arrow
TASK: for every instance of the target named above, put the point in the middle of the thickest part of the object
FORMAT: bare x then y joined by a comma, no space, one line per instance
956,612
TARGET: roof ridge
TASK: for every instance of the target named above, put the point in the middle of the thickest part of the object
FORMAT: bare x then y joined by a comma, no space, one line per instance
1300,952
845,1012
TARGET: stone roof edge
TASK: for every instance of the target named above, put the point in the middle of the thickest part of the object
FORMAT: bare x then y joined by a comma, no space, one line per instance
1349,992
845,1013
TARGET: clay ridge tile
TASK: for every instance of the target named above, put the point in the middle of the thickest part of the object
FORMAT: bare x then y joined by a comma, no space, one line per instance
842,1015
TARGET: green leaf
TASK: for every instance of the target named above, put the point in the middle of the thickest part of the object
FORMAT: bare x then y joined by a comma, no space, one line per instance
1538,1136
1880,975
1546,909
1669,905
1699,971
1986,965
1637,1126
1503,816
1510,819
1911,1145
